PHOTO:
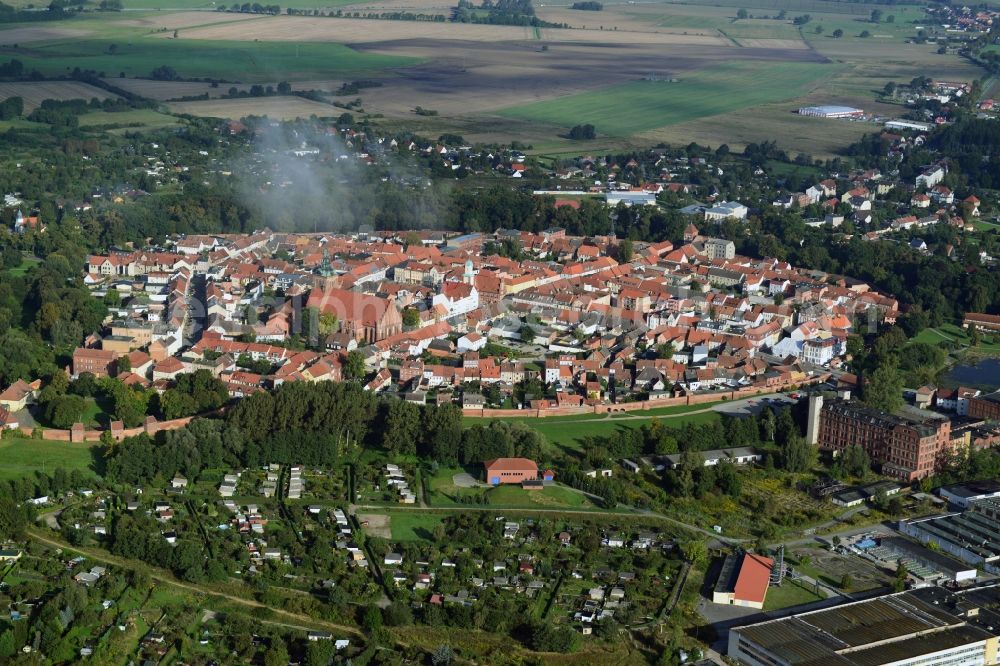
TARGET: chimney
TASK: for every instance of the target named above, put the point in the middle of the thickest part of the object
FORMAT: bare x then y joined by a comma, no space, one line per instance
812,427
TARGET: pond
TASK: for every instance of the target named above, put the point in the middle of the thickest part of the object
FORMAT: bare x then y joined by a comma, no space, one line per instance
984,372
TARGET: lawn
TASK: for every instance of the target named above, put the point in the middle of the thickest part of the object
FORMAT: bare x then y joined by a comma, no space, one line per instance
444,493
226,60
23,457
570,435
413,526
952,334
550,497
639,106
26,265
789,594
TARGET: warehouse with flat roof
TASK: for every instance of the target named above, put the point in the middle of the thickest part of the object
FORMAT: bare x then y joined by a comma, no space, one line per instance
972,536
919,627
831,111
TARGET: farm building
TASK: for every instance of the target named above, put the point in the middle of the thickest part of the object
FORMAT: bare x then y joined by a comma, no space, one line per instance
830,111
510,470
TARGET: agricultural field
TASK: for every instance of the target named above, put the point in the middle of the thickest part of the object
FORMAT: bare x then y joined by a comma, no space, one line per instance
139,118
229,61
282,108
639,106
23,457
33,92
641,73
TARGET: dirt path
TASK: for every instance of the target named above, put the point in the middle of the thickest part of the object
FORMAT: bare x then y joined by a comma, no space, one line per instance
303,622
586,512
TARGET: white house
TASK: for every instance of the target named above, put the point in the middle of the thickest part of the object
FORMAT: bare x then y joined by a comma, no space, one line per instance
727,210
457,298
470,342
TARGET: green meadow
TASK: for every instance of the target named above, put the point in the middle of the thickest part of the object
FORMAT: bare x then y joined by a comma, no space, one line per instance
23,457
639,106
227,60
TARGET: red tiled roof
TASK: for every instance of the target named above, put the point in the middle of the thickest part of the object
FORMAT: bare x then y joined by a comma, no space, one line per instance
510,465
753,579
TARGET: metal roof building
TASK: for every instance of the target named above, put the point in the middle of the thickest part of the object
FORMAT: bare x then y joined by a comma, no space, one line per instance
831,111
919,627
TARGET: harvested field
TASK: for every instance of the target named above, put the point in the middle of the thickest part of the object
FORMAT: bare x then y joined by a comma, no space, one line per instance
465,78
33,92
351,31
273,107
356,31
37,34
167,90
771,43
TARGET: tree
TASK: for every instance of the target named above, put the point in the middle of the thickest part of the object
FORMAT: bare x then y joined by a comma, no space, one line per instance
856,461
411,317
884,389
742,14
583,132
695,551
372,618
320,653
838,33
899,583
797,455
846,582
876,16
64,410
865,34
625,251
818,30
442,656
354,365
277,654
889,90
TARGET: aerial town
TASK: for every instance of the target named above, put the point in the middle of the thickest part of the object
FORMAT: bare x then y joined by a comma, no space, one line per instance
501,333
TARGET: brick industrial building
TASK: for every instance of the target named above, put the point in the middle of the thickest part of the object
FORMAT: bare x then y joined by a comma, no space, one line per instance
908,444
985,406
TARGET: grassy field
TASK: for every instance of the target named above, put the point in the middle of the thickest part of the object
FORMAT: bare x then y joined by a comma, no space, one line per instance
23,457
570,436
952,335
227,60
413,526
789,594
639,106
444,493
